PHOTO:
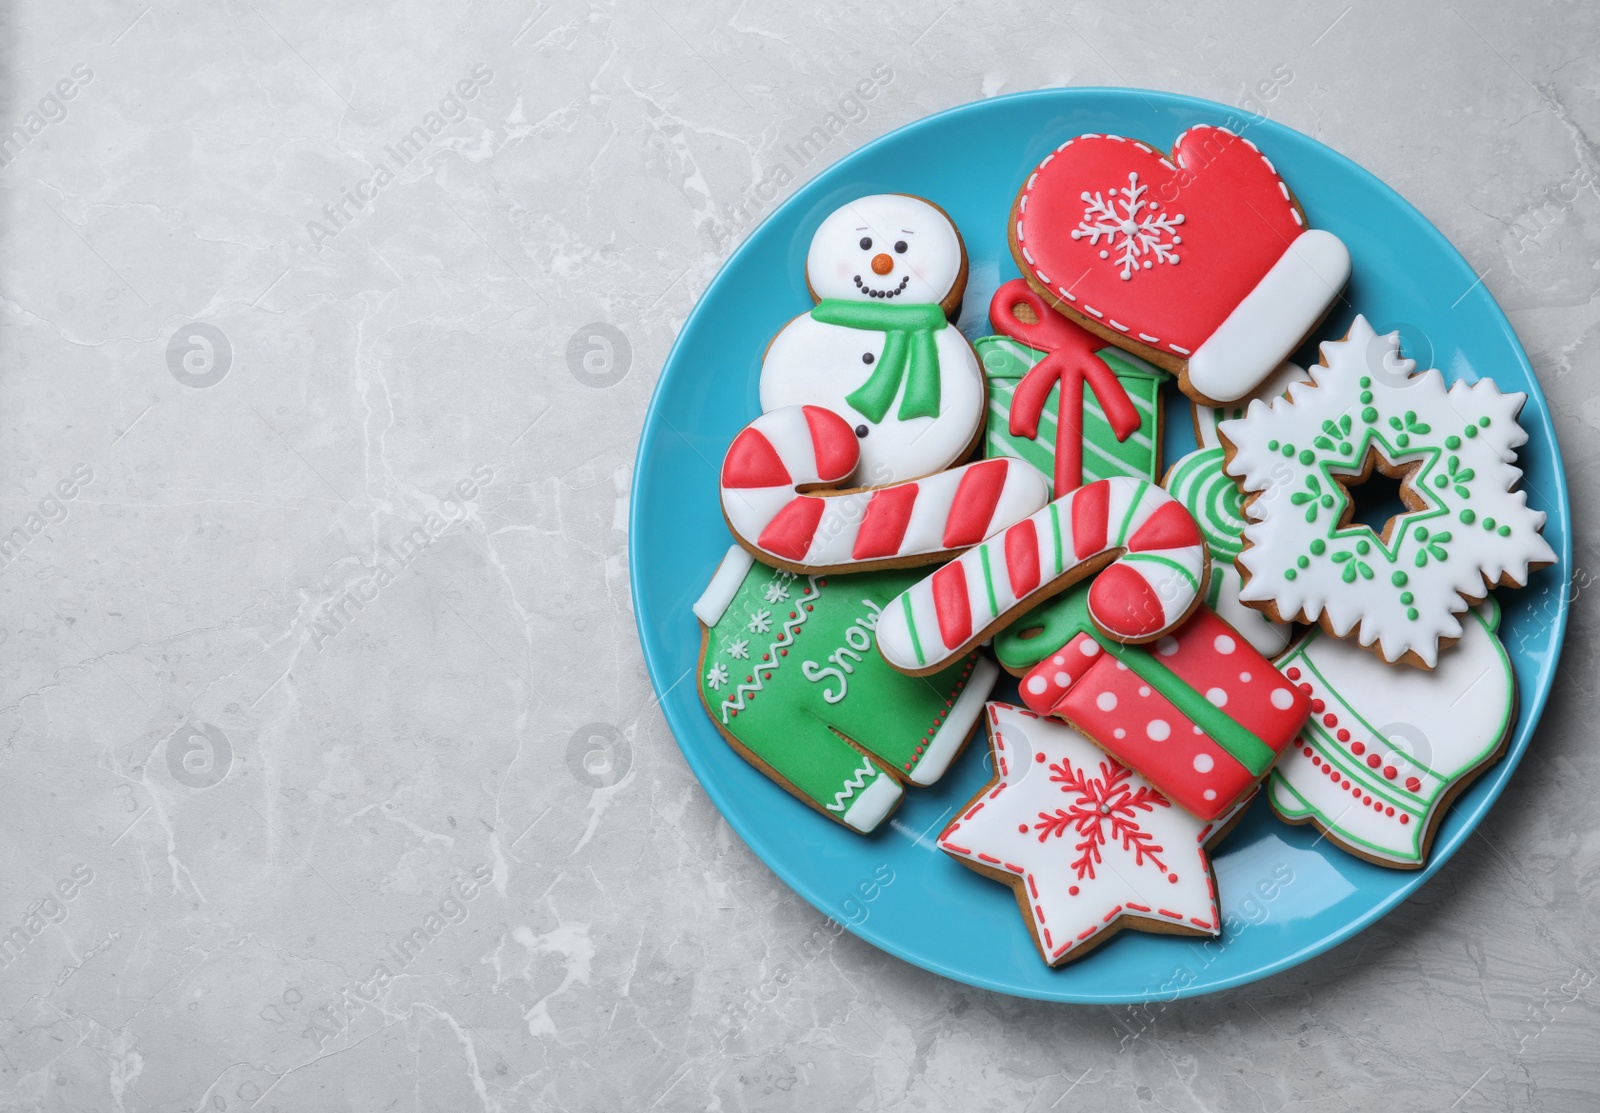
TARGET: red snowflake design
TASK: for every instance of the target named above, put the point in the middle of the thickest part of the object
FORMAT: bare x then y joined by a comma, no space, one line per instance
1106,800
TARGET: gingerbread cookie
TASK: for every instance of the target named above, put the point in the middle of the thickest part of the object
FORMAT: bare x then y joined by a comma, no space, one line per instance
1038,369
888,272
1467,527
1387,750
801,448
1199,713
1153,559
1089,846
1203,263
790,677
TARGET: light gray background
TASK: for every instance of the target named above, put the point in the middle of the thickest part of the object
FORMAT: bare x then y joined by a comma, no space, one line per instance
274,766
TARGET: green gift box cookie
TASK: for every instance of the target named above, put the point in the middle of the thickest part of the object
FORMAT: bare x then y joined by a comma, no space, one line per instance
1005,362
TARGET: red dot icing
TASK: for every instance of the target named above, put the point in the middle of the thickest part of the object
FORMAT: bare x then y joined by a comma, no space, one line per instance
1413,784
1373,761
1390,772
1343,735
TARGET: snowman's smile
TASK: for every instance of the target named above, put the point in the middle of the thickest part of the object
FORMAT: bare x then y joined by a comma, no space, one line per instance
892,293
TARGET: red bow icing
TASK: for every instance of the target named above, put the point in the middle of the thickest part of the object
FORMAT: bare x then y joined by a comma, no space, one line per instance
1069,361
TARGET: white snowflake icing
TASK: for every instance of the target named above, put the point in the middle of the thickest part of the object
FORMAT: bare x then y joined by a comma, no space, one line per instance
718,676
760,622
777,592
739,648
1401,592
1148,235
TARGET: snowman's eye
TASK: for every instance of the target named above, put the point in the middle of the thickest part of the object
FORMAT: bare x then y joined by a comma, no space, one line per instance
900,247
866,243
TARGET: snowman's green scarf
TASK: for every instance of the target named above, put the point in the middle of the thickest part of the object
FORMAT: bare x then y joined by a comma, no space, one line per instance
909,355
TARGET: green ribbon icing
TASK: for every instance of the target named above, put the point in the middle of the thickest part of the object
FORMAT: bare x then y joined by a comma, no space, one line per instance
1066,616
909,355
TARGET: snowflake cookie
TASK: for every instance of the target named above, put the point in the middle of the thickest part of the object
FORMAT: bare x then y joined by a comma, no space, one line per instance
1466,527
1089,846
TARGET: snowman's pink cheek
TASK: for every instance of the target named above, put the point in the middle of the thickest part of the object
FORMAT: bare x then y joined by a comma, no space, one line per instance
920,271
842,269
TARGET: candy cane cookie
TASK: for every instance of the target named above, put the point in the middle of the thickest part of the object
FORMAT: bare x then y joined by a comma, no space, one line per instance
1153,557
781,456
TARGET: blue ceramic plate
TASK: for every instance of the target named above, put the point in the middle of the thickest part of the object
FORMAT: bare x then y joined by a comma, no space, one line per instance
895,889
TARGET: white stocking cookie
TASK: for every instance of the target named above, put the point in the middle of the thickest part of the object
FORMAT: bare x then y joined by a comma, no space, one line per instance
1089,846
888,272
1387,750
1467,527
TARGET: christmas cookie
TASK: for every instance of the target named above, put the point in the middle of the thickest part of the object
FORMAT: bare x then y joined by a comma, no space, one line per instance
1387,750
1088,845
1467,527
888,272
1203,263
1153,559
1199,713
1204,489
790,677
1039,411
801,448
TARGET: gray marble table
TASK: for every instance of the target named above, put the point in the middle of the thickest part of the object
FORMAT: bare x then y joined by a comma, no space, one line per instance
294,300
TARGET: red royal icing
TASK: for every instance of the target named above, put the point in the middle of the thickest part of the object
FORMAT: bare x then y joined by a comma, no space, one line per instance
1236,223
973,508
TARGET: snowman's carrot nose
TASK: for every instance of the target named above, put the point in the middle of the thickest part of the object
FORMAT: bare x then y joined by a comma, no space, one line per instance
882,264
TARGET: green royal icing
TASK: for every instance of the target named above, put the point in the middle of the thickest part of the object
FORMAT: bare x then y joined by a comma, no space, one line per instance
815,674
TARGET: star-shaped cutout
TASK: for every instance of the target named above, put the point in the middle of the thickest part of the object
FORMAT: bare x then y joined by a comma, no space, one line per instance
1089,844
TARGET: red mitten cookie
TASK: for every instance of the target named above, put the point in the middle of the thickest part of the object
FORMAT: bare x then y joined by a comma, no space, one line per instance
1202,264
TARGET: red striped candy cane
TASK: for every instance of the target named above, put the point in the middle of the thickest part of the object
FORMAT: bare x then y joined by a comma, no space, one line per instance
1157,566
796,449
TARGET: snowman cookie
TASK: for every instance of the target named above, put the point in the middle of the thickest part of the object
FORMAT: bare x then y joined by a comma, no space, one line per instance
1089,846
888,272
1386,750
1467,526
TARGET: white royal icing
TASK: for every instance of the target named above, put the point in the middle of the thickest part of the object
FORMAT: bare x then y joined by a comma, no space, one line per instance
1273,318
810,363
1476,530
837,266
1092,844
1373,766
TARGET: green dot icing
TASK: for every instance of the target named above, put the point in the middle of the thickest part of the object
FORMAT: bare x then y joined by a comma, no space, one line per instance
1288,450
1303,561
1483,422
1411,613
1318,546
1488,523
1504,531
1407,598
1398,579
1467,517
1452,442
1272,446
1366,397
1363,548
1289,573
1422,533
1366,380
1470,431
1369,415
1441,482
1305,456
